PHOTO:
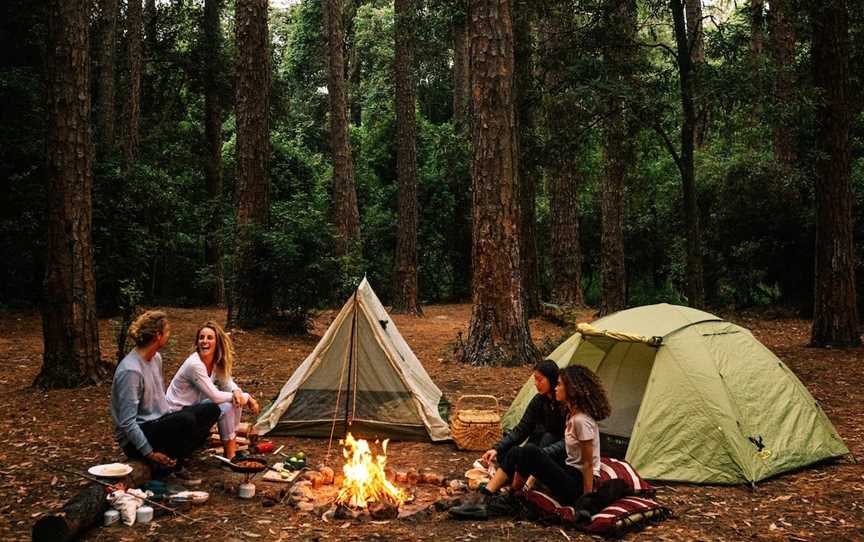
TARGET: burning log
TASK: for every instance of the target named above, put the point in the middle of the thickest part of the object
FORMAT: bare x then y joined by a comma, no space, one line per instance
365,482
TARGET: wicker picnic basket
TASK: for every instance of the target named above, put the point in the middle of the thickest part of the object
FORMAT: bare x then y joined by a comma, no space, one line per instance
473,428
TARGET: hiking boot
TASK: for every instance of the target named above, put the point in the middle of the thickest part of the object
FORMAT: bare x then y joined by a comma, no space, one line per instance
501,505
475,511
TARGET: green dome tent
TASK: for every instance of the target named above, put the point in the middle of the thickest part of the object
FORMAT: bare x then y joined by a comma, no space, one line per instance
695,398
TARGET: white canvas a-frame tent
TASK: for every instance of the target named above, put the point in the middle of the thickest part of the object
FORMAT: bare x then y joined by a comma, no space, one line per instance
362,377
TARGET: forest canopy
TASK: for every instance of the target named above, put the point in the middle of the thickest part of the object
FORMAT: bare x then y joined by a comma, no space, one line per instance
155,221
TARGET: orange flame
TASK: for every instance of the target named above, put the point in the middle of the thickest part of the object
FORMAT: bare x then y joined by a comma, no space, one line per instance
365,482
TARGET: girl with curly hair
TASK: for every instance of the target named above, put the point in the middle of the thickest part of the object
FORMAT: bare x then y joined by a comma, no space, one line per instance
586,403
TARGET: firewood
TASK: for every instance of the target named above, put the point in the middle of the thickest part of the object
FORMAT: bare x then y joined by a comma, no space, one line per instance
431,477
328,475
381,511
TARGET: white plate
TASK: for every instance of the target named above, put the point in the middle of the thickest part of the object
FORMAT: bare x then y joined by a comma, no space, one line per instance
110,470
196,497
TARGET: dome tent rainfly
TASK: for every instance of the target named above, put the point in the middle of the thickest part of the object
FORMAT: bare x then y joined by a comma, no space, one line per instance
695,398
362,377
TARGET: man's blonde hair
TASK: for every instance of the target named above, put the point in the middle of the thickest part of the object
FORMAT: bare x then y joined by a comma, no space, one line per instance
144,329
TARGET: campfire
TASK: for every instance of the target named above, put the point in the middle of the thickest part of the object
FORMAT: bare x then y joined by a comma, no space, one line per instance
365,484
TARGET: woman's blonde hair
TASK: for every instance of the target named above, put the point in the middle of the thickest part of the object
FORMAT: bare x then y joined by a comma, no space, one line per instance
144,329
223,357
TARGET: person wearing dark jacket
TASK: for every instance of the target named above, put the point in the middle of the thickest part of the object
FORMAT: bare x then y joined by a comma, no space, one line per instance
542,425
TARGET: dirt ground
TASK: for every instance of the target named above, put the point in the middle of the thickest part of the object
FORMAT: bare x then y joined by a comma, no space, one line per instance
72,429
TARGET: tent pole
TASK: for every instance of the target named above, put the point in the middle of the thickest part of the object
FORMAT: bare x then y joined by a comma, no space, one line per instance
351,346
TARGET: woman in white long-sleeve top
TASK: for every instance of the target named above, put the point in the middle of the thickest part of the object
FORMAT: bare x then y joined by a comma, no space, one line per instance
206,376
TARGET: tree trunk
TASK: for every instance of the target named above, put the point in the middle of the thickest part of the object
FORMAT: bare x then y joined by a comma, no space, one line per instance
618,155
526,181
565,251
461,248
405,297
498,332
345,213
213,135
109,10
252,304
835,313
461,74
69,326
695,284
695,35
696,40
757,28
355,101
134,30
782,47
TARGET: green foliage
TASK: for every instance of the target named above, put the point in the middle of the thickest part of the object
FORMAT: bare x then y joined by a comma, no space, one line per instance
151,223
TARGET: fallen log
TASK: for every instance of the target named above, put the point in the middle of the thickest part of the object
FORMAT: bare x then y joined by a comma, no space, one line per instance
85,508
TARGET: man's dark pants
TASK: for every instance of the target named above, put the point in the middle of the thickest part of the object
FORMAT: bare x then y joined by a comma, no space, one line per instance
180,433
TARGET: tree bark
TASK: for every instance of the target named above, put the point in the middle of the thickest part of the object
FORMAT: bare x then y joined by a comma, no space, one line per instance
524,68
835,313
252,303
108,11
461,74
354,68
134,30
405,297
618,155
695,280
498,332
461,248
695,34
213,136
565,250
345,212
696,41
565,259
782,48
69,326
757,28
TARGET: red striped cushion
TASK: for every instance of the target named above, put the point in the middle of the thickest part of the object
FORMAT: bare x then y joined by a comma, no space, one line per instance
624,514
611,469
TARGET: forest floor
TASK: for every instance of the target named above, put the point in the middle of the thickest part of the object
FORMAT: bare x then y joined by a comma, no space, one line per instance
72,430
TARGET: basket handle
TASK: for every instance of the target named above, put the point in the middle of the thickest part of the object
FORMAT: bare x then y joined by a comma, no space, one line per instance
471,396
